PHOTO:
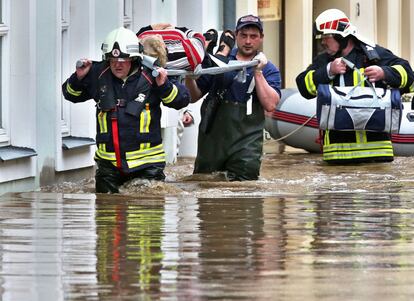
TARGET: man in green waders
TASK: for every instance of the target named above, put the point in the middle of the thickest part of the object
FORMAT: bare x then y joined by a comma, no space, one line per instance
232,115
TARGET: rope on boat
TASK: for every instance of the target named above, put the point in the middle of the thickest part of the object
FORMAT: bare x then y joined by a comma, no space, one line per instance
295,130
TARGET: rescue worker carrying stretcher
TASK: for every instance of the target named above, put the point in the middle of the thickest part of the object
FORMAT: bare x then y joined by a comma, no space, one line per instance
379,65
128,112
230,138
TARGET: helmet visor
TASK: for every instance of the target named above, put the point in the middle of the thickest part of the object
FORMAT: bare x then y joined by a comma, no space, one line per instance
116,52
323,36
120,59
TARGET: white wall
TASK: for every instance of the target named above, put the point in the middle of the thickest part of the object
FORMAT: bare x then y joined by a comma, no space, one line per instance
245,7
298,43
363,17
199,15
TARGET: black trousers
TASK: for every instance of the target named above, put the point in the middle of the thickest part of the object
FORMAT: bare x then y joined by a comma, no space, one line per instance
108,178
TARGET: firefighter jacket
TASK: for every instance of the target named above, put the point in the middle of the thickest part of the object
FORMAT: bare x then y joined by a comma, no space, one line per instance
128,113
356,146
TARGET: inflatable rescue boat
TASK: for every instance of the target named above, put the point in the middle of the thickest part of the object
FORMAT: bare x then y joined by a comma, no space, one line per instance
294,123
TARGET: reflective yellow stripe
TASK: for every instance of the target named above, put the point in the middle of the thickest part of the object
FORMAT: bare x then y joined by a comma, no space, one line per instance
412,88
72,91
144,151
101,153
310,85
144,156
358,154
137,154
362,70
326,140
102,147
358,77
355,146
145,145
172,95
402,73
145,120
338,151
361,137
137,158
153,159
103,126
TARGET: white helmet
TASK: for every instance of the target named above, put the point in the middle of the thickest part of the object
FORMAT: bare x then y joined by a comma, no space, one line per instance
334,21
120,43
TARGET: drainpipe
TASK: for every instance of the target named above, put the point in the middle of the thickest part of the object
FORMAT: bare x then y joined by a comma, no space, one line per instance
229,14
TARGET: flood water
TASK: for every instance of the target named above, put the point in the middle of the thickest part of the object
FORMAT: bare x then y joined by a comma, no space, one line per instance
304,231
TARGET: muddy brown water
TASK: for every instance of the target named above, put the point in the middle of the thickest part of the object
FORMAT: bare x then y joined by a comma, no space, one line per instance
304,231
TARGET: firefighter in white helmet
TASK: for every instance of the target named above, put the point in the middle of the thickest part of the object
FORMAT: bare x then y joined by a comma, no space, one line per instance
340,39
128,112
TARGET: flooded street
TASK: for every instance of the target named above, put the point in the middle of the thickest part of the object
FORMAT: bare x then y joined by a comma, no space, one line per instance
304,231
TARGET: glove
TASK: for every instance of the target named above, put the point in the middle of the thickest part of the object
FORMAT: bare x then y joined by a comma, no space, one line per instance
211,37
262,60
227,38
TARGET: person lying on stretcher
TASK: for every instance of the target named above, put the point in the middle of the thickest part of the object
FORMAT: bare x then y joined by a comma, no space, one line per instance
186,49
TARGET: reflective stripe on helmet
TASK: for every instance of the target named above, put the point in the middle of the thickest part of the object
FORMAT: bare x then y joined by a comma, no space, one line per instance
338,25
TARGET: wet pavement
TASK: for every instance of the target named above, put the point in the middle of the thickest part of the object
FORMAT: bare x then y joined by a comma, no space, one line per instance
304,231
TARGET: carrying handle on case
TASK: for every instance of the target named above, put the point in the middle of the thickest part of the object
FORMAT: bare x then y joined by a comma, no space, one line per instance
362,79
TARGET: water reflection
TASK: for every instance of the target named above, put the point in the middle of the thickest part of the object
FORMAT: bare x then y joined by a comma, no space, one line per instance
47,247
319,246
243,240
363,241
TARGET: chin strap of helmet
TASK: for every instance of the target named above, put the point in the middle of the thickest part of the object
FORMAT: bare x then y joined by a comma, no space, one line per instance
343,42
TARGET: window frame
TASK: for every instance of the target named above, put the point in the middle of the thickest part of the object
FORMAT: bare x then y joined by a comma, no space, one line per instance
65,106
4,74
127,13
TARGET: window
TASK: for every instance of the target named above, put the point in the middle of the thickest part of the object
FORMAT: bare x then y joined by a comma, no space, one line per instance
128,14
4,105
